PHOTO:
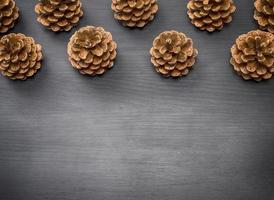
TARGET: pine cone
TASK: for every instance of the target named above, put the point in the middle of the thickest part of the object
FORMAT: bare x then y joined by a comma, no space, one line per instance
264,14
253,55
134,13
92,50
210,15
59,15
9,13
20,56
173,54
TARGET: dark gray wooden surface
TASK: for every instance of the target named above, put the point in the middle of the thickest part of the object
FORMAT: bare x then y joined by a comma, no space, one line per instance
132,135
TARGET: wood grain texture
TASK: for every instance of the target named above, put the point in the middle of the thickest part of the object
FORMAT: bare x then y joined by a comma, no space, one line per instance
131,134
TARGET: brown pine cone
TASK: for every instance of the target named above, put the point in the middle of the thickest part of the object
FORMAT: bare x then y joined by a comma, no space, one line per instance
173,54
20,56
134,13
9,13
264,14
210,15
92,50
59,15
253,55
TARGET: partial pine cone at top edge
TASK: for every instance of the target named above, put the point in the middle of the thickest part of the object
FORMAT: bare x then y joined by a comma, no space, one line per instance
253,55
59,15
134,13
210,15
173,54
20,56
9,13
92,51
264,14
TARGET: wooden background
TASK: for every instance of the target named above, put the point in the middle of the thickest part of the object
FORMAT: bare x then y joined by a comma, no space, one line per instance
131,134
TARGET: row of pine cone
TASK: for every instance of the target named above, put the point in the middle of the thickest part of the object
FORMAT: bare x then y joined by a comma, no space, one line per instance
63,15
92,50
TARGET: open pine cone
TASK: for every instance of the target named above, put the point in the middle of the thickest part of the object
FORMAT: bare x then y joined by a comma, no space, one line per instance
264,14
9,13
253,55
92,50
20,56
210,15
173,54
134,13
59,15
